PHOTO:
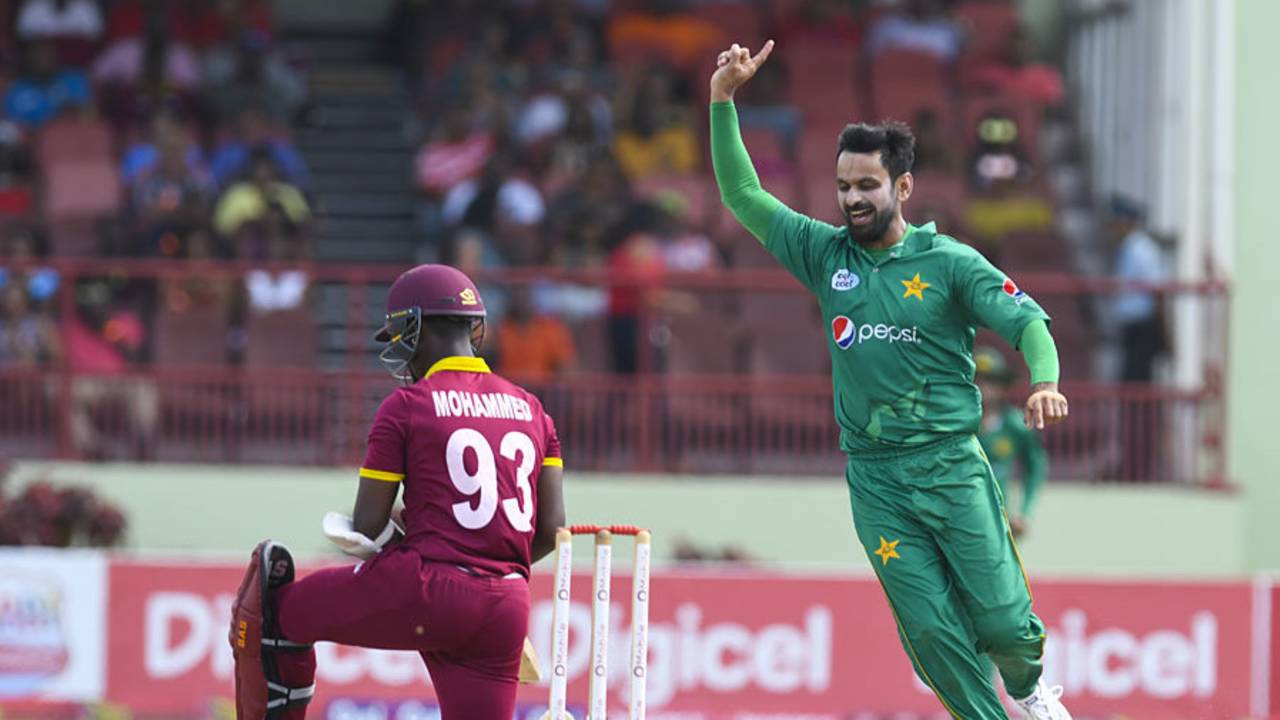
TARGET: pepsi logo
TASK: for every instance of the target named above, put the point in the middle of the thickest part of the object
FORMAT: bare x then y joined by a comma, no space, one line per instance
1013,291
842,330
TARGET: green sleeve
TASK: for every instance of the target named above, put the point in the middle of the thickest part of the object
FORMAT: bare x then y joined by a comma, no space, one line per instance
1035,470
802,244
991,298
1040,352
740,188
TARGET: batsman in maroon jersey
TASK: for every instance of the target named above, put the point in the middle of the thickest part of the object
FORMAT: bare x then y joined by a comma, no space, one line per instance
480,463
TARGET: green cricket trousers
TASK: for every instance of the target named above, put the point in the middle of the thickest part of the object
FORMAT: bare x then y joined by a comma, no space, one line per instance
933,524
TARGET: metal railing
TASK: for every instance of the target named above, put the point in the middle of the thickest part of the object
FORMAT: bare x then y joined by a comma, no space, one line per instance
777,422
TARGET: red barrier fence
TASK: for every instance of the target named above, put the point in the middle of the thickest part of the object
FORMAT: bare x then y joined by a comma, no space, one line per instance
745,389
709,424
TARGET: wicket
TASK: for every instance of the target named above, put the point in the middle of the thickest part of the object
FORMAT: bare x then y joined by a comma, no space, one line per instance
597,704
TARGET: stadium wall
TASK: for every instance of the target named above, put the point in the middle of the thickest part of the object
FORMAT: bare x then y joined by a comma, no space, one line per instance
1081,531
1254,387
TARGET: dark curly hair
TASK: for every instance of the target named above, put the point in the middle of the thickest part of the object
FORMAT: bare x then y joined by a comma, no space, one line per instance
894,141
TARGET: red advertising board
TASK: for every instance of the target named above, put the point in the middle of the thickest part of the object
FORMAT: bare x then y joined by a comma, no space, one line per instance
725,645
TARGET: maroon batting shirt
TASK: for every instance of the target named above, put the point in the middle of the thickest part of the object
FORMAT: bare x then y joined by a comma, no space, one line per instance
469,446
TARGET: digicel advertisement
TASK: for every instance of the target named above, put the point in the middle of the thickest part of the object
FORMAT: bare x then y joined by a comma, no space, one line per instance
729,646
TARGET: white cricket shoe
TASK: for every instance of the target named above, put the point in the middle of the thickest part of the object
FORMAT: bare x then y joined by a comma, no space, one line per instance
1044,703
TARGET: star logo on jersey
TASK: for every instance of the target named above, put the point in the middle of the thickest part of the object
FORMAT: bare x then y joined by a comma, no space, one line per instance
468,296
915,287
887,550
842,331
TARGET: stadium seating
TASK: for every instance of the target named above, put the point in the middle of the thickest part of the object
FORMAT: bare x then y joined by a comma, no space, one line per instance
904,82
192,336
281,339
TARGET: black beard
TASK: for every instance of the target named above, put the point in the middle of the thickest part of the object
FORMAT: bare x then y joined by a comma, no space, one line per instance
872,233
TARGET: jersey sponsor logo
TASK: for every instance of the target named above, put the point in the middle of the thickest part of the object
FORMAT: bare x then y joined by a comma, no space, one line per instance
1012,290
843,329
844,280
846,332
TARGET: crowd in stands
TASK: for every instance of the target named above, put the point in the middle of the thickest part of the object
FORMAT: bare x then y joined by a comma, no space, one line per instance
573,134
566,133
570,134
147,129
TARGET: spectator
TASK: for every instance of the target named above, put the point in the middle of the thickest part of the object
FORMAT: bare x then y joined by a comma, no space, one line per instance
199,24
103,344
1018,76
248,75
999,156
577,58
1005,202
43,91
921,26
684,248
473,253
933,151
1138,312
172,197
196,291
74,26
601,199
140,75
829,20
457,153
253,130
503,204
533,347
664,28
23,246
637,259
28,337
582,246
209,24
657,135
16,172
249,200
283,243
141,158
571,151
59,18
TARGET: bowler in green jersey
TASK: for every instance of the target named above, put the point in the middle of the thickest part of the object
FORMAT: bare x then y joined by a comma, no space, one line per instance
902,305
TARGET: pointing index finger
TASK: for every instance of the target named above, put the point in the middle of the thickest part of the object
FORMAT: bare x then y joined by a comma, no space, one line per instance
763,55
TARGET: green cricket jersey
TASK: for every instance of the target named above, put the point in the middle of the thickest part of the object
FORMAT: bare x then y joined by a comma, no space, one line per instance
900,324
901,329
1009,444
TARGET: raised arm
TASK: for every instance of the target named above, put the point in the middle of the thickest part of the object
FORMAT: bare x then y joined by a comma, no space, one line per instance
740,188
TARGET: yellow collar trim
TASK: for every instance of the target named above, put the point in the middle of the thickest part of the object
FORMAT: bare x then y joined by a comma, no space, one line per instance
458,363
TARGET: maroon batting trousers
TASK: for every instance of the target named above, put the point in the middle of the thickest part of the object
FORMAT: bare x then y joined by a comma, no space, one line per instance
469,627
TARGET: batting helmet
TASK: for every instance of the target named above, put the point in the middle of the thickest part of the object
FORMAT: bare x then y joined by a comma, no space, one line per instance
424,291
